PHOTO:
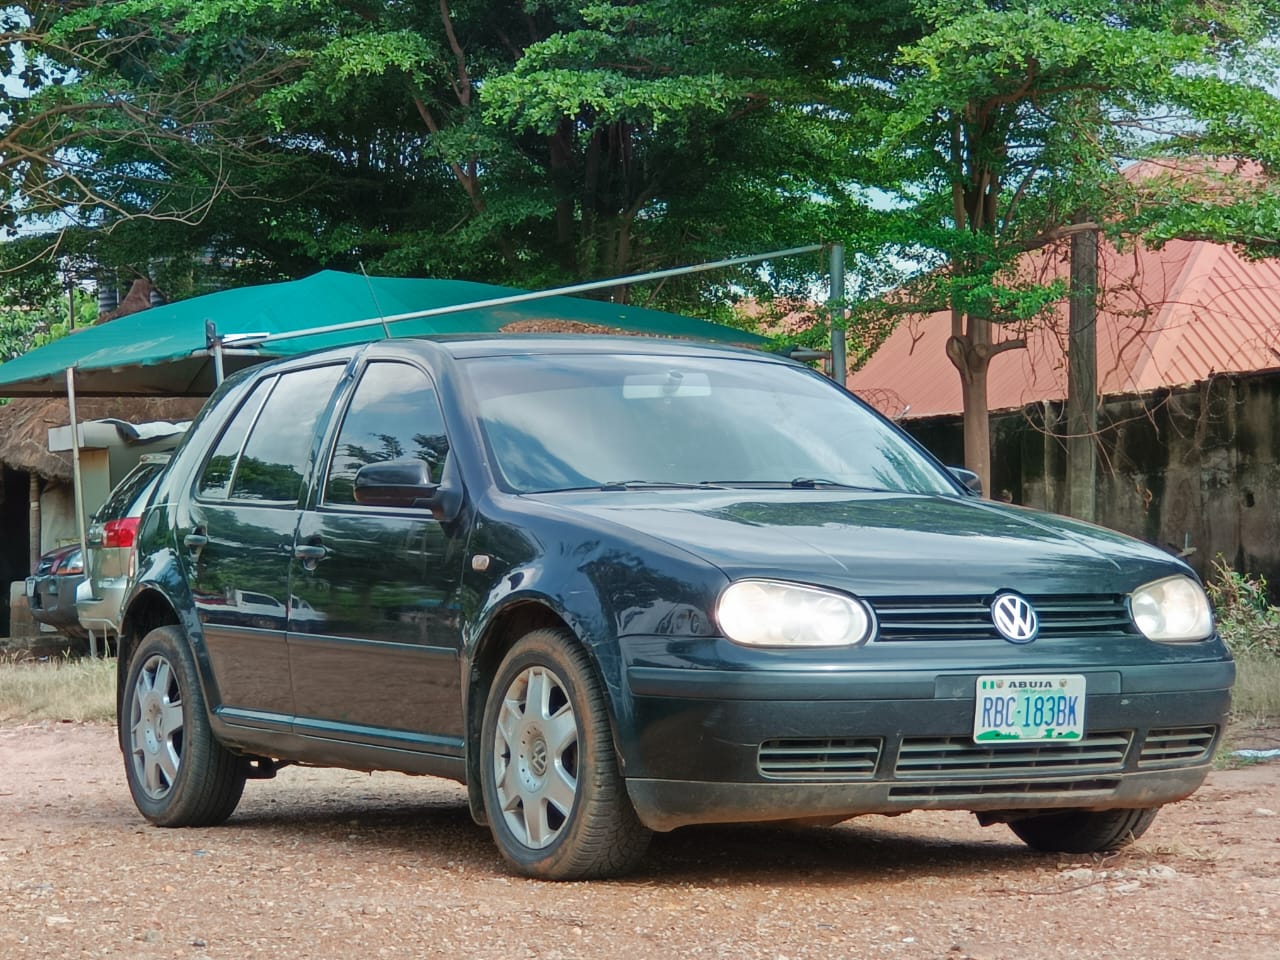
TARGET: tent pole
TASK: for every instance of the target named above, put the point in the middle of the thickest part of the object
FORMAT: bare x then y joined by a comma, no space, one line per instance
78,482
213,343
256,339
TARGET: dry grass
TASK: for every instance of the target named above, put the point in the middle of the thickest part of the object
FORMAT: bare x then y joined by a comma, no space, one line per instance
1256,697
57,689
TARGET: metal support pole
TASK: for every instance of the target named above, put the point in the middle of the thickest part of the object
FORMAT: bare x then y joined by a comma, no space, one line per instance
237,340
78,481
213,343
217,362
839,364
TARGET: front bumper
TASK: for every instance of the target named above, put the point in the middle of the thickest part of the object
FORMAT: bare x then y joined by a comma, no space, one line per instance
728,745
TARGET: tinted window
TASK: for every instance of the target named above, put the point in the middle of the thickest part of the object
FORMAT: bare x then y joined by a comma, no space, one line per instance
128,492
215,482
275,457
394,415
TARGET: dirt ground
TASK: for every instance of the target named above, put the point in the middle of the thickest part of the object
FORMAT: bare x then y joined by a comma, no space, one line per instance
332,864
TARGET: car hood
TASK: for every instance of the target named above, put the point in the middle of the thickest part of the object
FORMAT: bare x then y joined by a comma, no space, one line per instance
880,543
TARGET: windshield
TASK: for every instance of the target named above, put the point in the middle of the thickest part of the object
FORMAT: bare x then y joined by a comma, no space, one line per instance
572,422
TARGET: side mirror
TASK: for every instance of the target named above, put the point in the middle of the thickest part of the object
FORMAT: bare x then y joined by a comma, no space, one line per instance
406,483
968,479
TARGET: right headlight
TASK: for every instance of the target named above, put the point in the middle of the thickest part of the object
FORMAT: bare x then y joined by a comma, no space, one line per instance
775,613
1172,610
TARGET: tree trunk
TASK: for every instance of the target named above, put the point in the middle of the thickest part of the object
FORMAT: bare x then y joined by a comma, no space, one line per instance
1082,378
977,427
972,361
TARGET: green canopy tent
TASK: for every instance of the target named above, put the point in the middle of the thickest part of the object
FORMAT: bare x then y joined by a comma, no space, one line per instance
175,350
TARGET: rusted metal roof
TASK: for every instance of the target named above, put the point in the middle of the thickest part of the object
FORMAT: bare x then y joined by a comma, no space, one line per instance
1166,318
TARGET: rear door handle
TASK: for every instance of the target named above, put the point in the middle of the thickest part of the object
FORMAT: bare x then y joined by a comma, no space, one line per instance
195,542
310,554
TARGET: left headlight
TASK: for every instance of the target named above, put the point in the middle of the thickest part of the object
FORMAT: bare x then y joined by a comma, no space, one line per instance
774,613
1172,610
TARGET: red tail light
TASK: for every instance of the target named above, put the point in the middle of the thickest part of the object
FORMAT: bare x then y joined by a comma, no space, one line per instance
119,533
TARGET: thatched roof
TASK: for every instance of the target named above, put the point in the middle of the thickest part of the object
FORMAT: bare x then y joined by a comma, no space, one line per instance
25,424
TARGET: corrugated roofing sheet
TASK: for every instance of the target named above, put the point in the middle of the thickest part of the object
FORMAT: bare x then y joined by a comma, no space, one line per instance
1166,318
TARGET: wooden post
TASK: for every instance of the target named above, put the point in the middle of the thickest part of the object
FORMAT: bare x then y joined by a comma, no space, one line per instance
33,521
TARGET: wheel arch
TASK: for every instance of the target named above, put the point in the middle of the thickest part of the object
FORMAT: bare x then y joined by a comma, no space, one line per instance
504,627
147,610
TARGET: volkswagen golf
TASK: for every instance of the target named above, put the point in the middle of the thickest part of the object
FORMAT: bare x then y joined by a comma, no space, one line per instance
617,586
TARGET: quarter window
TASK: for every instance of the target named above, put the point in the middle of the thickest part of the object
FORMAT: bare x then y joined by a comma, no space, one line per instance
394,415
215,482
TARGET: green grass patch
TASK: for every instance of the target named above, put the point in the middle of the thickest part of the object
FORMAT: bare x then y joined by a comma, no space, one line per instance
71,689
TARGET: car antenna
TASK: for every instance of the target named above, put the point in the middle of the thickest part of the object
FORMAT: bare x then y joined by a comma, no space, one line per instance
386,330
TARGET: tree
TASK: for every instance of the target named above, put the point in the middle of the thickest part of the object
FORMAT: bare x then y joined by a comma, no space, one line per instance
106,116
1009,118
532,143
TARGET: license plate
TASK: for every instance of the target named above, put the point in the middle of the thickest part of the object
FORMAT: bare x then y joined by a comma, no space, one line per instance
1029,708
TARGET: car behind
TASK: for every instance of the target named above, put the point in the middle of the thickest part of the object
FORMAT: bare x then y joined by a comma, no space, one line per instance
110,539
51,591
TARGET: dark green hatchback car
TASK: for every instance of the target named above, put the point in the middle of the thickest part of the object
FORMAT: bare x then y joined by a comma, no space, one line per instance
617,586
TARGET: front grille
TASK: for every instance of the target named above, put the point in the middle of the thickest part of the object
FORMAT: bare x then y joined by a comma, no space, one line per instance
1177,745
969,618
1021,788
937,758
825,759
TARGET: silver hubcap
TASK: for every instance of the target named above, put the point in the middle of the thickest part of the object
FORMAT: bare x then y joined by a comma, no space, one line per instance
155,728
535,757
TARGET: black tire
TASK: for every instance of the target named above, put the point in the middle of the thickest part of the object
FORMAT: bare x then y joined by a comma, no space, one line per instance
1083,831
554,798
179,775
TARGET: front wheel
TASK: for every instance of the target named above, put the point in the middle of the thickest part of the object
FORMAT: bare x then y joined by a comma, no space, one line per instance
555,800
179,775
1083,831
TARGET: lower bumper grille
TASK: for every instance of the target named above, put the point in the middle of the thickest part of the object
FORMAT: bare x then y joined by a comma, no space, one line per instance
827,759
1022,788
1177,745
938,758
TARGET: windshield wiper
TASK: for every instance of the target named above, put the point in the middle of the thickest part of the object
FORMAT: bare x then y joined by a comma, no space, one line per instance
812,483
659,484
799,483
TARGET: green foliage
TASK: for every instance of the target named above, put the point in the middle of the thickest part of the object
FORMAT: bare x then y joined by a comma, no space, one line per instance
1247,621
34,310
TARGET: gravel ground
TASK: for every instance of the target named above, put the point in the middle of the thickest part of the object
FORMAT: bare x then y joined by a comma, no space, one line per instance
333,864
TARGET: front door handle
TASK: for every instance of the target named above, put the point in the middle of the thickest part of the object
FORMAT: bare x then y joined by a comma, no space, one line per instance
310,554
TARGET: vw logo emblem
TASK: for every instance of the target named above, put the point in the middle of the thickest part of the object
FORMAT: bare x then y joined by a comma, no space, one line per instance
1015,618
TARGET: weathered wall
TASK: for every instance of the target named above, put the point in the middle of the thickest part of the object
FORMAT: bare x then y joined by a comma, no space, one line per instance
1195,468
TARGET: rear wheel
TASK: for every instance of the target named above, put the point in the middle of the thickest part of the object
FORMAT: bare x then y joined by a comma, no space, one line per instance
179,775
1083,831
555,800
